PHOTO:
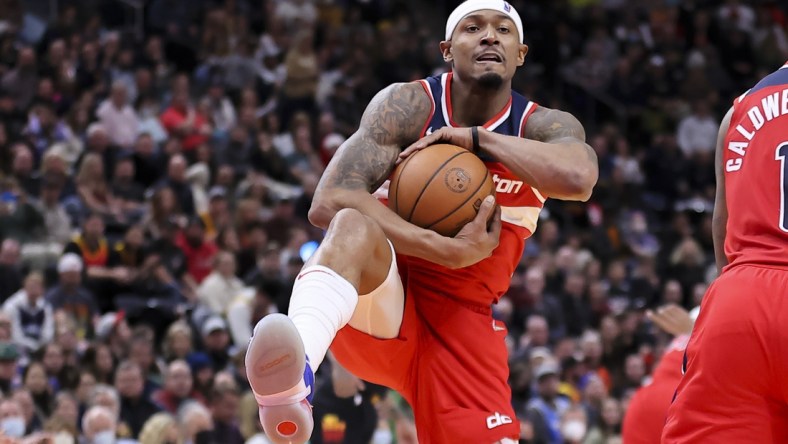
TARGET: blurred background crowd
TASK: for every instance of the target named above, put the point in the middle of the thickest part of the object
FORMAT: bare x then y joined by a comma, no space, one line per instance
158,158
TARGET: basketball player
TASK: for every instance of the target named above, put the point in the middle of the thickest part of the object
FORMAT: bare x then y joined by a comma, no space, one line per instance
734,387
402,306
648,408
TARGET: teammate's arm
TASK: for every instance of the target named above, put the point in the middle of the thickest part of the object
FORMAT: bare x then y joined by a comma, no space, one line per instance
720,219
393,119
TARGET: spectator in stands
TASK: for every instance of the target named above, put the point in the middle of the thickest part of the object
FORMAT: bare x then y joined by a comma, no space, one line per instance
147,165
537,332
32,318
224,411
12,422
196,423
302,75
546,408
178,387
222,286
574,425
118,117
60,376
163,211
135,409
254,243
697,132
106,396
98,360
66,409
237,151
47,246
21,80
70,296
141,352
22,169
87,382
199,252
185,122
35,380
265,159
178,343
19,218
98,143
203,372
33,421
634,372
222,112
216,341
113,330
129,194
161,428
99,425
104,273
218,216
176,180
95,195
545,305
591,347
610,424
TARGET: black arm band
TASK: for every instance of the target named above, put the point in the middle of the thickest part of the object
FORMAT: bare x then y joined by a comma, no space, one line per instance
475,138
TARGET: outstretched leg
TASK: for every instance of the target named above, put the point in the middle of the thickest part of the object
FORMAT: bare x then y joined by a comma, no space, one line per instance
284,352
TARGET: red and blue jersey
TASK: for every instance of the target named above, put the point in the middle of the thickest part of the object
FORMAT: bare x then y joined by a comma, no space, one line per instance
483,283
756,184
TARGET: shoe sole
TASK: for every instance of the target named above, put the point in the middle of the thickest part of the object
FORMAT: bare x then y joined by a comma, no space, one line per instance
279,365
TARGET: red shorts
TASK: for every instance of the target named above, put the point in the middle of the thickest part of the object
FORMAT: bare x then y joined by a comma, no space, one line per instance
735,388
449,362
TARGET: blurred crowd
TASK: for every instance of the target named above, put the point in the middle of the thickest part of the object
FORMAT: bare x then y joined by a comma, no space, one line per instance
154,188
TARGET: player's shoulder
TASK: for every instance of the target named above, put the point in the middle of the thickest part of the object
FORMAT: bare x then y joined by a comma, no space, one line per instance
410,92
399,112
549,124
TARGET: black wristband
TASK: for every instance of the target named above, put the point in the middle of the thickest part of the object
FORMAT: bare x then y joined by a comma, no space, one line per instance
475,138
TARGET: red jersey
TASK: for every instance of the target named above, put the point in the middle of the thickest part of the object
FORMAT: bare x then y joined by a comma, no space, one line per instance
756,184
485,282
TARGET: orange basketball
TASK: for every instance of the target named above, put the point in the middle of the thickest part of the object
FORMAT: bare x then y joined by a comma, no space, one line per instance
440,188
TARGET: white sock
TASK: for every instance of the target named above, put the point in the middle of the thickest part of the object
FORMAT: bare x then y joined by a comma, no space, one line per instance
321,304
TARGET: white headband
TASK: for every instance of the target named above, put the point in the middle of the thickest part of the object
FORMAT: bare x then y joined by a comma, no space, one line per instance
470,6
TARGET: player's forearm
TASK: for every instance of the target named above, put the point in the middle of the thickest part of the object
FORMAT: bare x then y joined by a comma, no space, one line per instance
407,238
558,170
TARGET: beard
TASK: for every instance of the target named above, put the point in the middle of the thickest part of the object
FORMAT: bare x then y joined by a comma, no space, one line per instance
491,81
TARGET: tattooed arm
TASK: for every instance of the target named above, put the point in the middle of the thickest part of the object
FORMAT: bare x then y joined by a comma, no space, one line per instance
393,119
553,157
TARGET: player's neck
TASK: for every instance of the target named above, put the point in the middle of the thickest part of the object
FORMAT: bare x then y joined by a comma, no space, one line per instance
476,105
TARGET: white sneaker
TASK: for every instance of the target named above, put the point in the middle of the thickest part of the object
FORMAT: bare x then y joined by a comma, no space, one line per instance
282,380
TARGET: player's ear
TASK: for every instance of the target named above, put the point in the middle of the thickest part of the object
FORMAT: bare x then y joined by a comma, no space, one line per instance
446,51
521,52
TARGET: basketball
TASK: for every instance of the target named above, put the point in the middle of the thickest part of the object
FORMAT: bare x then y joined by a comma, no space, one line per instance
440,188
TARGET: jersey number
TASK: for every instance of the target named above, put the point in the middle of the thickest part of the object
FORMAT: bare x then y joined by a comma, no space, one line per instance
780,154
